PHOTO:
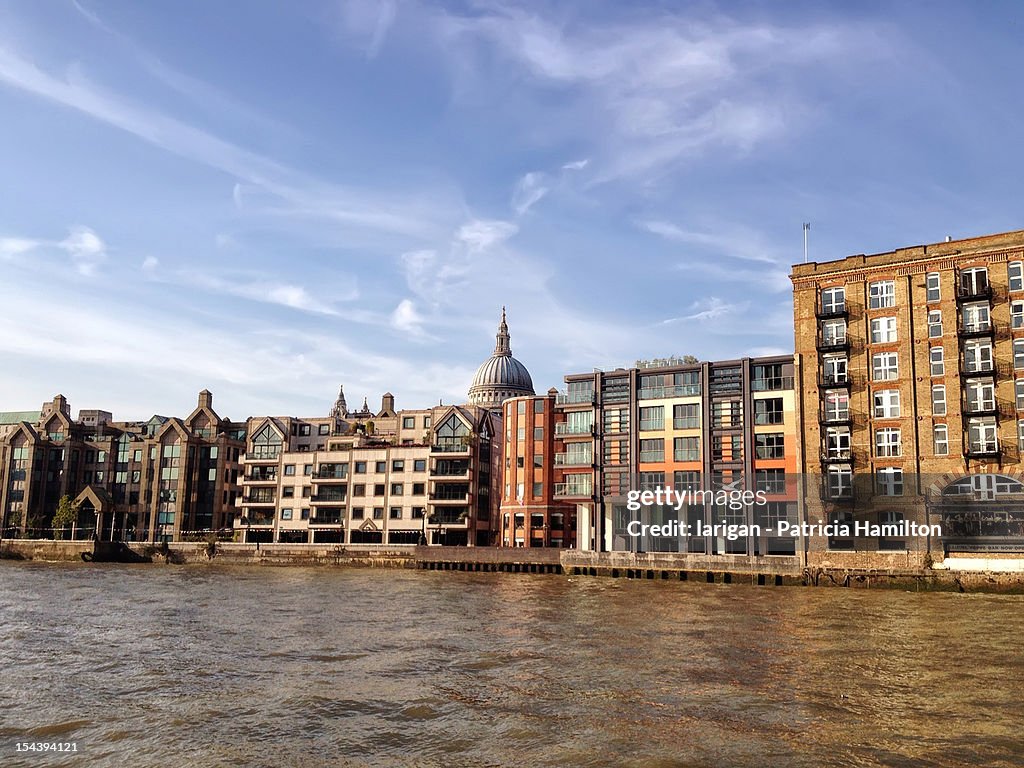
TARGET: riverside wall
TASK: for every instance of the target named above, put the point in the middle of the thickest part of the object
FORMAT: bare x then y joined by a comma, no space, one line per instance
970,575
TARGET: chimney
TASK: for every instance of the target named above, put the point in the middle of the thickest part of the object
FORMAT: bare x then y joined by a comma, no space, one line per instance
206,399
387,403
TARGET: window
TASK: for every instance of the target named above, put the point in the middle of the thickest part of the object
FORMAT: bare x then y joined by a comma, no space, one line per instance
286,514
978,356
378,489
652,417
768,411
408,422
1017,314
325,429
887,404
378,513
304,514
381,467
398,465
839,482
940,438
934,324
304,430
982,436
884,366
1018,354
834,370
771,480
419,465
538,490
1020,434
981,396
397,489
883,330
770,446
307,491
538,433
939,400
976,317
307,469
288,492
974,281
418,489
1015,275
538,405
833,333
833,300
357,513
686,449
289,470
538,459
889,481
931,282
837,406
882,294
888,442
938,362
686,416
418,512
652,450
360,468
359,489
837,442
521,434
521,407
396,513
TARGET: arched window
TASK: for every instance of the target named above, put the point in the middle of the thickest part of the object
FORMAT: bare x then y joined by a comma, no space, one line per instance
984,486
450,433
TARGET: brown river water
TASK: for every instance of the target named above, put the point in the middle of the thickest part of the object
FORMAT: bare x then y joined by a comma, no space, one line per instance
206,666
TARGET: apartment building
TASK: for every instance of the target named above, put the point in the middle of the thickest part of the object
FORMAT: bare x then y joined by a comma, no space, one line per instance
390,477
691,427
530,514
166,478
911,366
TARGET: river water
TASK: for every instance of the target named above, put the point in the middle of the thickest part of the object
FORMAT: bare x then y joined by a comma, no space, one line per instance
205,666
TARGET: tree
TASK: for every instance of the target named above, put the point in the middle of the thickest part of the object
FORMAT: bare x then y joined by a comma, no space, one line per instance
66,516
690,360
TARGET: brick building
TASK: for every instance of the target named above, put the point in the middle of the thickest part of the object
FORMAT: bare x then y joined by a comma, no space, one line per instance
911,367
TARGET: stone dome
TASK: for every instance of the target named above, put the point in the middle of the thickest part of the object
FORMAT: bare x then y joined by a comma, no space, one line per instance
500,376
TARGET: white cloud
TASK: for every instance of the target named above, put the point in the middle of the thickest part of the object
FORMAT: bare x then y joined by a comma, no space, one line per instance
269,291
481,234
150,264
706,310
576,165
369,21
87,250
16,246
528,191
733,240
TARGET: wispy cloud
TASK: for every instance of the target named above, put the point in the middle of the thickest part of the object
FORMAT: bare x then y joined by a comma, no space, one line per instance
530,188
706,310
734,241
369,21
86,249
481,234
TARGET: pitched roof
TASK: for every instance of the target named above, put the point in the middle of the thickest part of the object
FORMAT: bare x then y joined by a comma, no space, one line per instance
13,417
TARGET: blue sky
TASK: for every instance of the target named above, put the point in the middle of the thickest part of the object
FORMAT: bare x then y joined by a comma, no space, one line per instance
268,199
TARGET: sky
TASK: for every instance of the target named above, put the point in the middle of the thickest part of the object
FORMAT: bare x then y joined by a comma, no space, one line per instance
271,199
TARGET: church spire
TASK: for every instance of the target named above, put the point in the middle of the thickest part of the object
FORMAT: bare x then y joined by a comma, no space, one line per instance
340,409
503,346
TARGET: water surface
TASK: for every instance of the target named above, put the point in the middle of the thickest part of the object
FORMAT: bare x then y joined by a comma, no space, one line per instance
203,666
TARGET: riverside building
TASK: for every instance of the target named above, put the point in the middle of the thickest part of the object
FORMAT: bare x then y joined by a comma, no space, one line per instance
158,480
689,426
911,366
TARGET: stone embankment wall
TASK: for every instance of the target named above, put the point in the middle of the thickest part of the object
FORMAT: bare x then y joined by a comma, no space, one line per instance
760,571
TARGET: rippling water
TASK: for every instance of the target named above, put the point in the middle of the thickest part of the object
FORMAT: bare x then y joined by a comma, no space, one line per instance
169,666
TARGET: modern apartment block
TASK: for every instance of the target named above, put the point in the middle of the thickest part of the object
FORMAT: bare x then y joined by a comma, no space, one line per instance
912,372
391,477
696,427
161,479
530,514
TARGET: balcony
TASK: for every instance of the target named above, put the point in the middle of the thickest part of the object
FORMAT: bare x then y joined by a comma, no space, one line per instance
331,474
330,498
837,456
454,447
269,477
773,384
836,418
976,330
833,343
973,292
448,517
572,490
574,460
984,407
263,455
440,497
977,370
325,518
834,381
677,390
575,398
988,449
831,312
567,428
258,520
